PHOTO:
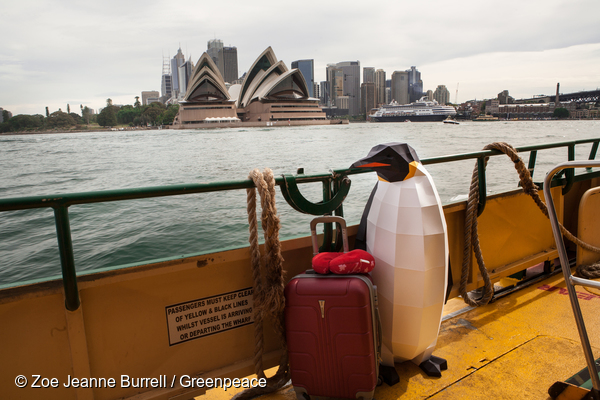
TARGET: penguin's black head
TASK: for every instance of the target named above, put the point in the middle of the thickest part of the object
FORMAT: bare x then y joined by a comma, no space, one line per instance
393,162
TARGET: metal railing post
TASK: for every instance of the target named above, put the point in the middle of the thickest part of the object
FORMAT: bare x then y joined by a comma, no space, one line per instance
531,164
569,173
570,280
593,152
67,260
482,185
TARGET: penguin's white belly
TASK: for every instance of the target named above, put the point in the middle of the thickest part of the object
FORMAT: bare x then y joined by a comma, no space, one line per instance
406,233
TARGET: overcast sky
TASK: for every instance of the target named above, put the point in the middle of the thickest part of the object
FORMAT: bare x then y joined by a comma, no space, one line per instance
55,53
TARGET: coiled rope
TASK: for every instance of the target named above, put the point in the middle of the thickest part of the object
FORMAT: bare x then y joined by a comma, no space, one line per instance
268,281
472,237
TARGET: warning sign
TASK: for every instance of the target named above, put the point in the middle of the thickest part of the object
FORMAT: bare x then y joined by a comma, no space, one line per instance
203,317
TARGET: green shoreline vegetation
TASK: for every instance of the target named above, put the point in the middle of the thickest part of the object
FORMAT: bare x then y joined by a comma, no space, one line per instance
111,116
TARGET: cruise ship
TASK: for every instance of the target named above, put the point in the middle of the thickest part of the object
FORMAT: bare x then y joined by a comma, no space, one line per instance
422,110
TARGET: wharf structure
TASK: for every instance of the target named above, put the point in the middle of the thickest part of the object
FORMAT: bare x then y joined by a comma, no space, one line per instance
270,95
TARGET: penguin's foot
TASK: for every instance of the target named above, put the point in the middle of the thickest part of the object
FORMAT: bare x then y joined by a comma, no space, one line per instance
434,366
389,375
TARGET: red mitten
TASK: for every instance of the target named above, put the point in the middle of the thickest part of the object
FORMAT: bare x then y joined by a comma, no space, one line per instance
354,262
320,262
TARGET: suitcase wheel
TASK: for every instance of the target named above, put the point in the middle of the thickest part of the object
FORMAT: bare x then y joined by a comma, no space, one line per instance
302,396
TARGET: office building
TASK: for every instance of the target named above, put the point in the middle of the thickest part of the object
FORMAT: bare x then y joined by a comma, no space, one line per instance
368,75
230,64
400,87
150,96
166,82
176,62
184,75
225,58
166,88
215,51
335,78
441,94
380,87
324,93
307,67
504,97
351,86
415,85
367,98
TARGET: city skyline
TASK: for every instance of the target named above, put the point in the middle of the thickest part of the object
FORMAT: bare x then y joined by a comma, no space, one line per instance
83,55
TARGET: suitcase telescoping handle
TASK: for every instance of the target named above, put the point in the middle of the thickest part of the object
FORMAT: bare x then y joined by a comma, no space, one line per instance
328,218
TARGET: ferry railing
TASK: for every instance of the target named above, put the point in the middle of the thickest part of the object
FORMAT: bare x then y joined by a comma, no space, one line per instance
335,187
570,280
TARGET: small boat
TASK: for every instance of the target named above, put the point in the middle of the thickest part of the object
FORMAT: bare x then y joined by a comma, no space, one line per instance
451,121
486,117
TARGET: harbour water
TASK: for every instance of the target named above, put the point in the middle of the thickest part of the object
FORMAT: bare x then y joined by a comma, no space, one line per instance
109,235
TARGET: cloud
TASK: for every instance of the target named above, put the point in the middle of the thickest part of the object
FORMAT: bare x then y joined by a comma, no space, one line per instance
64,50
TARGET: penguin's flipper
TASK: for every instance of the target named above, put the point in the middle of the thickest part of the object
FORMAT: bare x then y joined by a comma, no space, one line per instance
361,236
434,366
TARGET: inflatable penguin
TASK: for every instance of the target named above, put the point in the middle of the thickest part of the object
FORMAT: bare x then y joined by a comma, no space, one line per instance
404,228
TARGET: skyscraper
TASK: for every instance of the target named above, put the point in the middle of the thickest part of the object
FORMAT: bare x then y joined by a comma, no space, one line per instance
166,83
368,75
230,64
184,75
380,87
400,87
176,62
215,51
307,68
317,90
351,87
325,93
415,84
225,58
367,97
441,94
335,78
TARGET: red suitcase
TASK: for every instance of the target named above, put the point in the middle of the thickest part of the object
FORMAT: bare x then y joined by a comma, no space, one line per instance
333,333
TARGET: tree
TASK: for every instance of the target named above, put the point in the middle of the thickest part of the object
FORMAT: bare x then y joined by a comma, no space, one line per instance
127,114
24,122
137,103
169,114
561,113
47,112
76,117
86,113
108,115
59,119
153,112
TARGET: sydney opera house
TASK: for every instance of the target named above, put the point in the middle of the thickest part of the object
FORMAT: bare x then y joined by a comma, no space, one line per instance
270,95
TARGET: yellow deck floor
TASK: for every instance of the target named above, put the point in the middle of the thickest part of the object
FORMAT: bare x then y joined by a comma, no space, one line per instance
514,348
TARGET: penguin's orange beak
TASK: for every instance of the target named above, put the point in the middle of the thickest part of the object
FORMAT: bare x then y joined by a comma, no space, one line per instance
373,165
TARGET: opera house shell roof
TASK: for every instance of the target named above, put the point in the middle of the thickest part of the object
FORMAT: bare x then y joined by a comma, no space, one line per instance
270,92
